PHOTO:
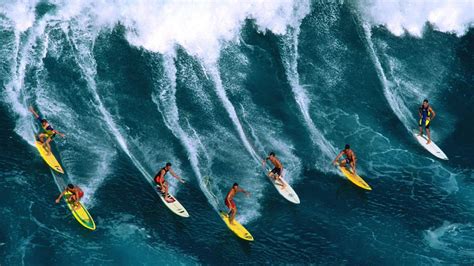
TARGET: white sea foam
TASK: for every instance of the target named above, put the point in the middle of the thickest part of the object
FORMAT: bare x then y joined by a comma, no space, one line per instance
454,238
402,16
22,13
200,27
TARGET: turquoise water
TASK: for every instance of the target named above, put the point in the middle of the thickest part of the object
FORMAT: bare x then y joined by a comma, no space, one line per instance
213,87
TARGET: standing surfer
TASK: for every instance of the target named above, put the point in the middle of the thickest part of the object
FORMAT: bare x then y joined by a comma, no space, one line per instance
48,132
277,172
229,201
162,184
426,114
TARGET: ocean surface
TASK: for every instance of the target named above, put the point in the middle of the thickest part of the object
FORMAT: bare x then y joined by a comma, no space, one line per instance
213,87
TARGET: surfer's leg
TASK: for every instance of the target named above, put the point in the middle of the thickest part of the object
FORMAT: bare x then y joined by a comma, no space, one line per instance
353,167
280,181
233,211
47,146
429,135
343,163
162,186
167,196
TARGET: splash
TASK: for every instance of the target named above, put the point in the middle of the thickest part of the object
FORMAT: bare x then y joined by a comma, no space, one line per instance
454,238
400,17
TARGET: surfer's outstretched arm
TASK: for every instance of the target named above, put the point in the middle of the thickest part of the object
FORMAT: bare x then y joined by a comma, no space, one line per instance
33,111
176,176
60,196
434,114
337,157
239,189
59,133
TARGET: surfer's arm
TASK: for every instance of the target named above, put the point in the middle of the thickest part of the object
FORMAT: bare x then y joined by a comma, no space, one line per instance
60,196
176,176
434,114
59,133
239,189
33,111
264,161
337,157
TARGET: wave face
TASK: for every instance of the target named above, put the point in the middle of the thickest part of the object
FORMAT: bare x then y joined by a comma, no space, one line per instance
213,87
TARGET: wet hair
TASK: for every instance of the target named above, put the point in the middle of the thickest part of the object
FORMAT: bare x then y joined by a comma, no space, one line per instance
272,154
44,121
70,186
425,100
347,146
235,185
168,164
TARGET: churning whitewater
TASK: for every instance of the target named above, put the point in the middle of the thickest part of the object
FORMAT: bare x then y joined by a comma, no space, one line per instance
213,87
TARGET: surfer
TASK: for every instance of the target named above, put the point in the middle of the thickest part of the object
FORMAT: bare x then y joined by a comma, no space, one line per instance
161,182
277,172
426,114
76,195
48,132
229,201
350,158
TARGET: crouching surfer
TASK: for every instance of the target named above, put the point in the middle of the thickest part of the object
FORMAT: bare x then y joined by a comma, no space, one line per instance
161,182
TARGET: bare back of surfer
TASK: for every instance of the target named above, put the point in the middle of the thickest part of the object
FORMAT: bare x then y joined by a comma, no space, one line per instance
277,172
76,195
229,201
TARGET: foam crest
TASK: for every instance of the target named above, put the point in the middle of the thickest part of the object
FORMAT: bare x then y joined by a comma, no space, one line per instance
21,13
411,16
200,27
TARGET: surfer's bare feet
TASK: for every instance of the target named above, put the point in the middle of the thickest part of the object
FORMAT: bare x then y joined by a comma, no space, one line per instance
429,141
169,199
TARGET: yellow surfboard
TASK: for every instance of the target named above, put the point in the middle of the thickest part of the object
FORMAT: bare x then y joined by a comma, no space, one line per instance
49,158
237,228
355,178
80,213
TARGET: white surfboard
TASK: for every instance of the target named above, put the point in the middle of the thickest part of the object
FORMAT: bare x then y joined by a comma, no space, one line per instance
174,206
432,147
288,193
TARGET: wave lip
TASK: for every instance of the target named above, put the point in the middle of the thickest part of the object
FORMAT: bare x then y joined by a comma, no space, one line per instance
411,17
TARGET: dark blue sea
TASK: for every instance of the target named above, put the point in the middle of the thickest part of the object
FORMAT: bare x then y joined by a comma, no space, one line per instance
213,87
